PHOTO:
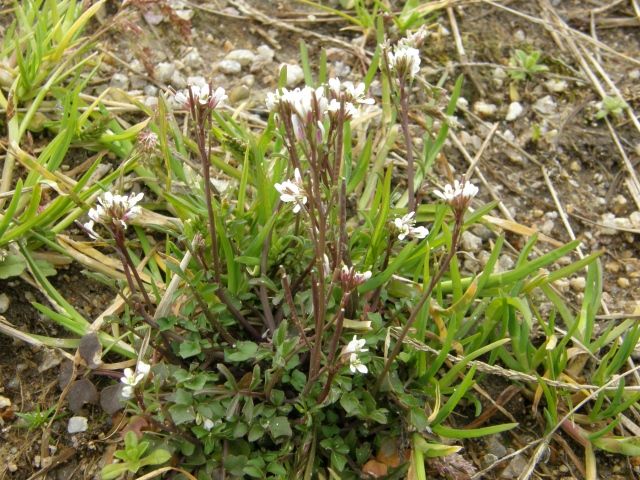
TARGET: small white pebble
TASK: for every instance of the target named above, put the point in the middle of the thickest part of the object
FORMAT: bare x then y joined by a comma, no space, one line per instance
77,425
578,283
484,108
515,110
556,86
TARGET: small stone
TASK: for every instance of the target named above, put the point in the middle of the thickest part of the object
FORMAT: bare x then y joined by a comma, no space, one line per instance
623,282
119,80
562,285
516,466
242,56
484,109
192,58
619,204
151,90
295,74
50,358
470,242
239,93
4,402
77,425
556,86
462,103
499,75
547,227
5,301
515,110
178,80
248,80
265,52
545,105
151,101
229,67
505,263
613,267
578,283
164,71
136,66
12,467
481,231
575,166
564,261
495,446
519,36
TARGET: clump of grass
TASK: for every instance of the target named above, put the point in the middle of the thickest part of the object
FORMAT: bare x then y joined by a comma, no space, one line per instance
305,311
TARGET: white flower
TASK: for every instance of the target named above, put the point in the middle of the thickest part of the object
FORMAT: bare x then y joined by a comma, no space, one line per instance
415,39
464,192
355,346
208,424
350,111
349,91
132,378
292,191
113,210
201,94
404,60
143,368
405,227
351,279
356,365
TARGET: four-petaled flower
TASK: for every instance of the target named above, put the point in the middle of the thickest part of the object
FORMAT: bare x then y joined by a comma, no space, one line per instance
405,227
355,346
200,95
404,60
348,91
458,195
292,191
113,211
350,278
131,378
356,365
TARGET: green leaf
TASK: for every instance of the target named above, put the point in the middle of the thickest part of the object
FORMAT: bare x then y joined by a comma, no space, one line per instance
351,404
243,351
448,432
279,427
156,457
113,471
255,432
182,413
12,266
629,446
189,348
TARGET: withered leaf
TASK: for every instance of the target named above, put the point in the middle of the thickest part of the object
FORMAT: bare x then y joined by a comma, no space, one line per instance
66,371
90,350
82,391
110,399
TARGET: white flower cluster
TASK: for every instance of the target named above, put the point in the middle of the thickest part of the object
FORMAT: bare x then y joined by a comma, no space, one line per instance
131,378
404,61
351,279
349,94
292,191
308,105
112,210
405,227
201,95
353,349
458,192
